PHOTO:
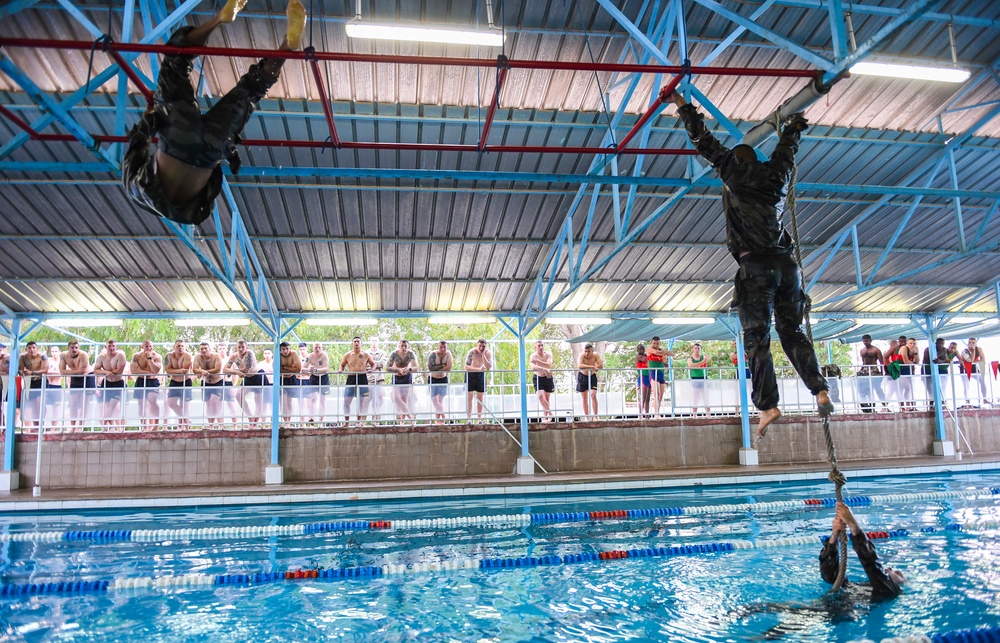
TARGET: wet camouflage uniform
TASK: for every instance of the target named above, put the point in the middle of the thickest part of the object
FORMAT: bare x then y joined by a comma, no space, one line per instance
769,279
184,133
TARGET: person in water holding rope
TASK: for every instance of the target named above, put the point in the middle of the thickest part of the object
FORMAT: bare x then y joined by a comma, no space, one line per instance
885,581
769,279
180,179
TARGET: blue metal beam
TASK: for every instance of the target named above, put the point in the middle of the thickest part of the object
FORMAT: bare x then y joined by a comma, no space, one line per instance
914,9
838,30
14,6
793,47
648,45
984,224
731,38
892,12
53,108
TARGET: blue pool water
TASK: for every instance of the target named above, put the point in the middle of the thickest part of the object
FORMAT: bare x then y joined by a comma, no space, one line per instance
746,594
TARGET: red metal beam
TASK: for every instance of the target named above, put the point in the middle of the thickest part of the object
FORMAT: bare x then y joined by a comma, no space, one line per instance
125,67
651,112
12,117
34,43
327,109
495,102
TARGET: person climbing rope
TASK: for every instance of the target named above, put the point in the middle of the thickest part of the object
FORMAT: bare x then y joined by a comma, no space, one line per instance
769,279
181,178
885,581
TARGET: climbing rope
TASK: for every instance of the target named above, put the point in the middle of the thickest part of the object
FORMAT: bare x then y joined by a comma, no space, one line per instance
836,477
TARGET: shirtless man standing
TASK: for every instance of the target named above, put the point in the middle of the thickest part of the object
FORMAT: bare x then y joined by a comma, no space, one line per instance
376,376
229,397
4,376
53,389
243,364
356,363
32,367
291,366
477,362
208,367
110,365
178,367
586,380
439,365
656,357
75,364
870,380
541,366
318,366
145,366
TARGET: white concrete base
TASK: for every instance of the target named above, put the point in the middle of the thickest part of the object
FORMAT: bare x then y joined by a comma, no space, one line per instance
9,480
525,466
944,448
748,458
274,474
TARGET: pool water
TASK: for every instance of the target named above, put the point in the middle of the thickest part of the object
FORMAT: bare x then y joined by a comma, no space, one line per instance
746,594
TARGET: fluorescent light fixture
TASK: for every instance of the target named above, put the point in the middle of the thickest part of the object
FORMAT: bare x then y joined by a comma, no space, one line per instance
886,321
590,321
913,72
684,320
81,322
969,320
461,319
341,321
486,38
213,321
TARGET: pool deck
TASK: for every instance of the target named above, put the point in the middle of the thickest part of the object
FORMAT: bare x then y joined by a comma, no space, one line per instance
475,487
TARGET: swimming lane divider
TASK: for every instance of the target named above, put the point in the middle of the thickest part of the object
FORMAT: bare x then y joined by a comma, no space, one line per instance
389,569
508,520
981,635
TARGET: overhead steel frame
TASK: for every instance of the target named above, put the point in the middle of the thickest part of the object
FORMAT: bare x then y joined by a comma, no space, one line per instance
566,252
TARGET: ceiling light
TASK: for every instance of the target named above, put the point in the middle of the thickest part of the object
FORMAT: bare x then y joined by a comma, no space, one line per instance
81,322
461,319
487,38
968,320
591,321
886,321
913,72
213,321
341,321
684,320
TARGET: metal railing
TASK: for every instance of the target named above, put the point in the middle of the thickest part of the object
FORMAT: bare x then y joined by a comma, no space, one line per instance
619,396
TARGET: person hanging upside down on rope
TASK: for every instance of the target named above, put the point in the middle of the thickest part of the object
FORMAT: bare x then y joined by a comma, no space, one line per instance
885,581
769,279
181,178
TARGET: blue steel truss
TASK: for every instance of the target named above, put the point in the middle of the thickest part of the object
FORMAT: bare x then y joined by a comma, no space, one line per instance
241,272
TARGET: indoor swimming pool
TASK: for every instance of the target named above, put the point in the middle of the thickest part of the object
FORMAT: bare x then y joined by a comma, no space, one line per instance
686,564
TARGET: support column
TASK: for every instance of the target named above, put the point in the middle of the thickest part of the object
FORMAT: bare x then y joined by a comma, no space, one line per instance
942,446
525,463
748,454
9,477
274,473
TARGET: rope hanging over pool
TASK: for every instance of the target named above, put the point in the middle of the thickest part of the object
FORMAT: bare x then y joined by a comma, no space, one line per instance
836,476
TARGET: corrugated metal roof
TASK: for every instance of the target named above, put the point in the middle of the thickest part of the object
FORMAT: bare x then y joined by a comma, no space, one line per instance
73,242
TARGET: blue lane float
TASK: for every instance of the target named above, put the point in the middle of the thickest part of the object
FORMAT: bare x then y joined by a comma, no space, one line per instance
519,520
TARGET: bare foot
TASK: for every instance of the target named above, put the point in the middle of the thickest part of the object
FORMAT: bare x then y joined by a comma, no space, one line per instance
296,14
825,405
233,7
766,418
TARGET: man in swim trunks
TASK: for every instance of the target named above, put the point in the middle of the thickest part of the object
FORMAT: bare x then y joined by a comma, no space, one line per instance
439,365
478,361
178,367
656,357
769,280
870,375
243,364
545,386
110,365
53,389
4,377
145,366
291,366
356,363
208,366
643,383
182,177
586,379
32,366
75,365
317,364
